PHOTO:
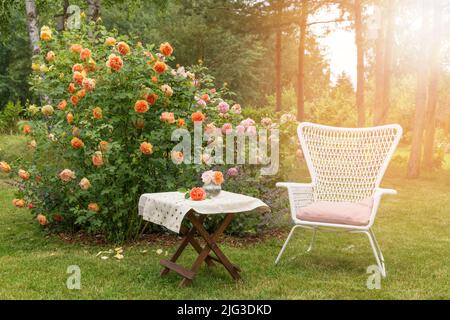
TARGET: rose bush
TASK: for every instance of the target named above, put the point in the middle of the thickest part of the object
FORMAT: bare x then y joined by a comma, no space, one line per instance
102,136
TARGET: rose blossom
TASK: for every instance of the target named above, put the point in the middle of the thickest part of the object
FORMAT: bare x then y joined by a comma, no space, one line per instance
227,128
168,91
251,131
232,172
201,103
240,130
248,122
266,122
236,109
223,107
67,175
168,117
207,176
85,184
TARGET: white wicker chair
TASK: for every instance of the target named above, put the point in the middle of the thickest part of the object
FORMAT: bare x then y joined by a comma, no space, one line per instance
345,165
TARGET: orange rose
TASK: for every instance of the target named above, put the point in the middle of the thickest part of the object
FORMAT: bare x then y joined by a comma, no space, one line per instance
71,88
198,194
181,122
154,79
62,105
67,175
152,98
198,116
103,146
74,100
88,84
77,143
123,48
168,117
25,175
69,118
46,33
114,62
5,167
93,207
19,203
166,49
146,148
80,94
78,77
205,97
50,56
97,159
97,113
160,67
217,178
42,219
76,48
110,41
77,67
141,106
85,54
26,129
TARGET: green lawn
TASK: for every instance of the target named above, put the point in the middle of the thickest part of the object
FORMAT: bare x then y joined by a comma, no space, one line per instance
412,228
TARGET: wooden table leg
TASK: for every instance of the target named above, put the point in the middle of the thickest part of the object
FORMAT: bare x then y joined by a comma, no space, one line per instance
210,245
188,239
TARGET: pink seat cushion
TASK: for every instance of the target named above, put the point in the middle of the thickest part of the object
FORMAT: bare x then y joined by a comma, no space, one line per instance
348,213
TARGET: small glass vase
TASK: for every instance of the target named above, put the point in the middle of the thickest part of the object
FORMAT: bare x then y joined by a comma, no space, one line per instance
212,190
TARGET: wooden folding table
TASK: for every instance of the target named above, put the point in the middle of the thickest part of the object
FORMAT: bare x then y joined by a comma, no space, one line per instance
169,209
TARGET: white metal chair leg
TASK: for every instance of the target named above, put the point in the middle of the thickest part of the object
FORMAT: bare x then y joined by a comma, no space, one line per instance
378,246
377,252
285,244
311,245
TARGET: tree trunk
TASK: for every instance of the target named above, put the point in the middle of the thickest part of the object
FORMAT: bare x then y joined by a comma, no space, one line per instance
93,9
379,75
33,28
421,98
301,63
433,88
278,58
360,64
388,61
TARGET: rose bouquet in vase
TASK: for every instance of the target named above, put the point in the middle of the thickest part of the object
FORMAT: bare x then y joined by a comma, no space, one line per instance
212,182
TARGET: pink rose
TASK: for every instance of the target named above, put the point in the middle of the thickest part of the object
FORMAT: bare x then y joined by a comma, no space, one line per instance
251,131
227,128
266,122
248,122
233,172
236,109
240,130
223,107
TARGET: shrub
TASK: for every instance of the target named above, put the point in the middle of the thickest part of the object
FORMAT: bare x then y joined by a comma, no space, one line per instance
9,117
103,134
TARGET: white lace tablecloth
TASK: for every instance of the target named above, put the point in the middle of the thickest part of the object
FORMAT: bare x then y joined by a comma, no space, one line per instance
169,208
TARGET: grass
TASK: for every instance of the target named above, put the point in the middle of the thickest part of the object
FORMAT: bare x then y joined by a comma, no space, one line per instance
412,228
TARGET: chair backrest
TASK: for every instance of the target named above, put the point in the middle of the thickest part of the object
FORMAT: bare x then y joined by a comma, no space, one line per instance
347,164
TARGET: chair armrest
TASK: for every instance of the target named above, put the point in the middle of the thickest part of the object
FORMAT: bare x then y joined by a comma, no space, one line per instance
381,191
293,185
300,195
